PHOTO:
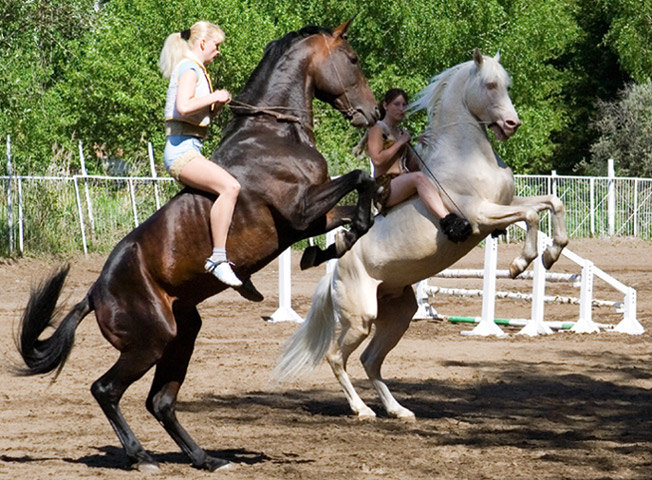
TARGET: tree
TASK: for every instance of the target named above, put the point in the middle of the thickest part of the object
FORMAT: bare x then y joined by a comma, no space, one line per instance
625,128
37,41
69,73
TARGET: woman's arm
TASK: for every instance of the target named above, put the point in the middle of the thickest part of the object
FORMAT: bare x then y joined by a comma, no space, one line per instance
187,103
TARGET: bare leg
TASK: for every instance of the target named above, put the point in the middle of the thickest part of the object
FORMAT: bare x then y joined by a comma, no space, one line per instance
407,184
205,175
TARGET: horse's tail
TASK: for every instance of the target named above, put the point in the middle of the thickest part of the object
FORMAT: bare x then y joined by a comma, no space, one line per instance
307,347
44,356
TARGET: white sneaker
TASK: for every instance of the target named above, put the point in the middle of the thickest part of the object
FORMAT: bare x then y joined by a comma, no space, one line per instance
223,272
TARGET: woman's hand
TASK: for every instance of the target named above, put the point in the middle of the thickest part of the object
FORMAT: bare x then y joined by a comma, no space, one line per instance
221,96
404,138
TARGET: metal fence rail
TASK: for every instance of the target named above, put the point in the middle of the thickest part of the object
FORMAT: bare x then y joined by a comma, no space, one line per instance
92,213
77,213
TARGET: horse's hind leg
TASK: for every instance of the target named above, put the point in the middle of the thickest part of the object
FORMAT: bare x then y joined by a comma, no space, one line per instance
350,338
108,391
170,373
394,316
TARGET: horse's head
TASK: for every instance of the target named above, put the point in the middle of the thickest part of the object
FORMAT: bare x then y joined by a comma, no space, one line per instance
338,78
487,96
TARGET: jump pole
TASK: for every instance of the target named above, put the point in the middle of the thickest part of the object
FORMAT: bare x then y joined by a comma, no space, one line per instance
284,312
536,325
486,326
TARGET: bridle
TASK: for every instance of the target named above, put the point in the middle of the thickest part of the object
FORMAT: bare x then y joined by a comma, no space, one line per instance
279,112
274,111
350,111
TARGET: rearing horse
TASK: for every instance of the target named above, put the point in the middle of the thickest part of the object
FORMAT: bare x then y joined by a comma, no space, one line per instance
146,295
372,283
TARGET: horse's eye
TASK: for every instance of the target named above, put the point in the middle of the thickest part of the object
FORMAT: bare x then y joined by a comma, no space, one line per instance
354,59
491,85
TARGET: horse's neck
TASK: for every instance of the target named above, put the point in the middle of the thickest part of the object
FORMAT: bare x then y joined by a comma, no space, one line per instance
283,87
455,133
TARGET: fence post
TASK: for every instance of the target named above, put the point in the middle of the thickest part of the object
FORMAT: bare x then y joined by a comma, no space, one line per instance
611,196
553,178
81,214
585,324
536,324
592,206
89,205
636,207
21,233
134,208
10,221
150,151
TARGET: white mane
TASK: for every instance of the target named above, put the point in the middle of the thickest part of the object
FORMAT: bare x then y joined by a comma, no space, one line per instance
430,97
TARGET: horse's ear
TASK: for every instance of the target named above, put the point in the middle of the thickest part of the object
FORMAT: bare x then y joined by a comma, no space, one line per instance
477,57
340,30
497,56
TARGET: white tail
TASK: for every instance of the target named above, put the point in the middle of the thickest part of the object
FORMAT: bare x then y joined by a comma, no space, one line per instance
307,347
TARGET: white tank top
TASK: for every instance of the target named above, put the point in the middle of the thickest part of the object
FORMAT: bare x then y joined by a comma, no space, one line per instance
203,87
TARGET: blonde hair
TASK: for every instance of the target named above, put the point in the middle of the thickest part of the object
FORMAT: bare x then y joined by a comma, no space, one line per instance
179,43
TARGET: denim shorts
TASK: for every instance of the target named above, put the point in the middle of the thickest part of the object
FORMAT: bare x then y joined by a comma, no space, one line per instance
179,150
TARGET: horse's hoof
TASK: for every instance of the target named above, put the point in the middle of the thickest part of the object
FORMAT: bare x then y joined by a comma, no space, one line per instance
148,468
249,291
366,416
547,259
517,267
213,464
404,415
309,257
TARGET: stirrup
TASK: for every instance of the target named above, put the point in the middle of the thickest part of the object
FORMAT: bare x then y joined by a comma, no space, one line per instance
222,271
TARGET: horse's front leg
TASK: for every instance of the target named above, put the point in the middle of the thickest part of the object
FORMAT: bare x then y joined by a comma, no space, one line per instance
320,203
559,235
527,209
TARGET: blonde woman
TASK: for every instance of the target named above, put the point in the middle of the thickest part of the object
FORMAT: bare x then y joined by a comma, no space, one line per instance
191,104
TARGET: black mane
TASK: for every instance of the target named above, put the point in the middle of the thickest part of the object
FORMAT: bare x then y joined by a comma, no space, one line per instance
274,51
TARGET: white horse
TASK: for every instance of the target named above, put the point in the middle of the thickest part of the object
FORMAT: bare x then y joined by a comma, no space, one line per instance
371,283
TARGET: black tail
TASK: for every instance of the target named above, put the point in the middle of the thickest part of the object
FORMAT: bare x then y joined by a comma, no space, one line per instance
43,356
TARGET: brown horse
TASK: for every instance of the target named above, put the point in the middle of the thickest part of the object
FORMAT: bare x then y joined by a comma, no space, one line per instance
146,295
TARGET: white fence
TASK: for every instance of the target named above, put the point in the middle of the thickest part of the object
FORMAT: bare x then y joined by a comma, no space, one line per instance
92,213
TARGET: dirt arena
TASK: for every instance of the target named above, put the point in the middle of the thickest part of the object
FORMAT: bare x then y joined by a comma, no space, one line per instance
562,406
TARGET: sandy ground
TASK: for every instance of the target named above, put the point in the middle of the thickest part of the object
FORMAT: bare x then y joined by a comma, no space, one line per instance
561,406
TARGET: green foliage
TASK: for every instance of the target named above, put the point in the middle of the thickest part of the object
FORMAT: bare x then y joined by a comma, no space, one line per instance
69,72
630,36
625,128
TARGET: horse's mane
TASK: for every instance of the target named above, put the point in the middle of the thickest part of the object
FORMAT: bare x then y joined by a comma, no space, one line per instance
275,50
430,97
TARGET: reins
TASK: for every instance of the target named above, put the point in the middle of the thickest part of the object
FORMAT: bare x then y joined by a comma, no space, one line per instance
273,111
434,178
432,175
276,111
